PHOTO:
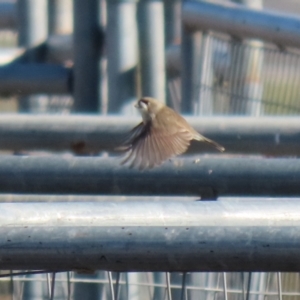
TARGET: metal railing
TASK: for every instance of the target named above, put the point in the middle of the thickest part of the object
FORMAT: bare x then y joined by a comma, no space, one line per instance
82,134
208,177
148,236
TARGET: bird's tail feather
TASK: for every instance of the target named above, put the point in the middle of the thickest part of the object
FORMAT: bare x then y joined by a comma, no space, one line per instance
206,140
218,146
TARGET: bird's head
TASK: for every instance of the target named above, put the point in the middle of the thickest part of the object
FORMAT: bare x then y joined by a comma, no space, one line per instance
148,108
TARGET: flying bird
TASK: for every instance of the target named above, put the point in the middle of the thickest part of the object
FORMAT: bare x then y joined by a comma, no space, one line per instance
162,134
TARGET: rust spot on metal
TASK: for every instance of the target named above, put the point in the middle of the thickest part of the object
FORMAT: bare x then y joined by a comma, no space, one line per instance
78,147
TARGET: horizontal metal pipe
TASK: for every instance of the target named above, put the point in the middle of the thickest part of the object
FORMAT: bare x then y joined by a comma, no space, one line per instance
151,236
207,177
92,134
58,48
34,78
240,21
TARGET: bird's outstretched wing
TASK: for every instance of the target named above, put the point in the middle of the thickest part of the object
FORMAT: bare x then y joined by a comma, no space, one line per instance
167,135
131,137
151,144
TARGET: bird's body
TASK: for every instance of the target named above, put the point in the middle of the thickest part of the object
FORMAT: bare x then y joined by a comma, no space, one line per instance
162,134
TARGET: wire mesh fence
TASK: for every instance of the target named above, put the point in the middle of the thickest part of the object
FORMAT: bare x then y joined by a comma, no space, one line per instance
248,78
262,75
123,286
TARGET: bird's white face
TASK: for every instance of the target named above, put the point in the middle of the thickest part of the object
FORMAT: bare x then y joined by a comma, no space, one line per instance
149,108
142,107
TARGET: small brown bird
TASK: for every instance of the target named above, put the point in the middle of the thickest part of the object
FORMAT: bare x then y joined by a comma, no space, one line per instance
162,134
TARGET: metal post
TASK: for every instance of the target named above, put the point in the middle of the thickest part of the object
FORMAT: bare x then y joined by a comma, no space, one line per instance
246,65
61,29
33,27
33,30
189,48
87,41
172,38
60,16
103,60
173,69
152,48
197,72
152,77
172,21
203,98
121,52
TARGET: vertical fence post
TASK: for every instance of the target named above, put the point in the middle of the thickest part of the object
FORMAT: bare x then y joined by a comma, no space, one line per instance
172,9
121,52
197,72
247,64
87,42
172,21
33,30
103,60
60,16
190,48
152,48
204,76
32,19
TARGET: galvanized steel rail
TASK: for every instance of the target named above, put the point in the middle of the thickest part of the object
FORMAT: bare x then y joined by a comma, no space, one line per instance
93,134
227,235
208,177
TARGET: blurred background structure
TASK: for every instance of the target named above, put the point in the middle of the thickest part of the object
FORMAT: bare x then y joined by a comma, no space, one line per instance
136,46
226,61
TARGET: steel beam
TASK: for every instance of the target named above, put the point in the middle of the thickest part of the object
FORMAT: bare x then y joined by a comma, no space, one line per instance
240,21
219,236
85,134
206,177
